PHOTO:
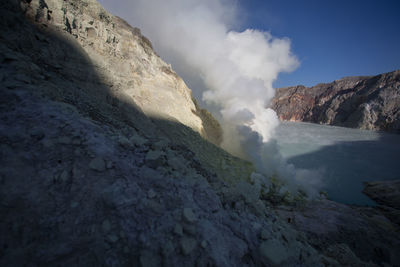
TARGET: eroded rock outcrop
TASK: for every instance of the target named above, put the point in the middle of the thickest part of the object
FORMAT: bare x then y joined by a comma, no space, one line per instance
371,102
124,59
387,195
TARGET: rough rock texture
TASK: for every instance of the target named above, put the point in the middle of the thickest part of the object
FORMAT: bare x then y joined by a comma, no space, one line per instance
88,179
387,195
124,59
103,74
354,236
371,102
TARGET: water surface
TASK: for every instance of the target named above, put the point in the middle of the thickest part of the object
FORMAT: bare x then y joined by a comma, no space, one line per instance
347,157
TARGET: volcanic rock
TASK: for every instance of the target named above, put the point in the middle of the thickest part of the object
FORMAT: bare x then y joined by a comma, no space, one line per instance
365,102
115,125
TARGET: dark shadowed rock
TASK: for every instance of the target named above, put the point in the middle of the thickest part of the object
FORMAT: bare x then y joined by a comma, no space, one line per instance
387,195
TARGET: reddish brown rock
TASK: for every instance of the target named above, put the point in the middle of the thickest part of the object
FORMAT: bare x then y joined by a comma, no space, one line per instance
365,102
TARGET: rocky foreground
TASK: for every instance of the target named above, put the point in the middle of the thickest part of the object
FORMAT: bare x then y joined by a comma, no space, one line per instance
371,103
100,166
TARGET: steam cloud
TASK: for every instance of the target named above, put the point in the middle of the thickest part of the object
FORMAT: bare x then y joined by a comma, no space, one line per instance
238,69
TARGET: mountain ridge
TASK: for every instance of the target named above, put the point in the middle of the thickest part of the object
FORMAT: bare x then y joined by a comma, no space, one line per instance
365,102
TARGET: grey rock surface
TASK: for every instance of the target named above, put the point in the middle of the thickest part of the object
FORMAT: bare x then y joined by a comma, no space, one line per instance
89,178
365,102
362,235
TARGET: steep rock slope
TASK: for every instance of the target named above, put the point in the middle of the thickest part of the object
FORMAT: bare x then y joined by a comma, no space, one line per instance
122,58
87,179
103,75
371,102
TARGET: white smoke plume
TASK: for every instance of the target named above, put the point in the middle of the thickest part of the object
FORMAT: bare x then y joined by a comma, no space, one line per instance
238,68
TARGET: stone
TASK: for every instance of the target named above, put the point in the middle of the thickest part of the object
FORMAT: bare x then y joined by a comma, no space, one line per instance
274,251
76,141
264,234
76,172
188,244
22,78
204,244
124,142
106,226
138,140
190,229
178,229
168,248
122,234
97,164
109,164
47,143
248,192
38,134
65,140
112,238
155,158
177,163
149,259
239,205
188,215
151,193
74,205
154,206
160,145
64,176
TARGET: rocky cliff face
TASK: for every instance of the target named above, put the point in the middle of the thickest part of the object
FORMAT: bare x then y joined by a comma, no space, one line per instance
123,59
98,167
371,103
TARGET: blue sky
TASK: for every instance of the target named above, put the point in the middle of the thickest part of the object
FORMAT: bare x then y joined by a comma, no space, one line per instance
332,39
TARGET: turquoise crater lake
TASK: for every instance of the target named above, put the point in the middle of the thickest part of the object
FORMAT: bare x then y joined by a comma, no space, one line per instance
345,157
